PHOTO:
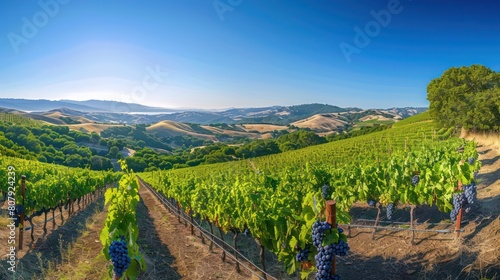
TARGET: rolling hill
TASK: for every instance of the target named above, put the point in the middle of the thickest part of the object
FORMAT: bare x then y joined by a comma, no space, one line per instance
170,128
129,113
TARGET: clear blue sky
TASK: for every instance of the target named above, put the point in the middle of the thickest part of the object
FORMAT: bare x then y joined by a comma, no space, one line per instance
255,53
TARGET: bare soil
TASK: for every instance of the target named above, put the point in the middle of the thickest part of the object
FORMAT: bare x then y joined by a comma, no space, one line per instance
49,247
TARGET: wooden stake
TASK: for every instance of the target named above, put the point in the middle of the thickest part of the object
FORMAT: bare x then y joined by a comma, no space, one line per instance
459,221
331,218
191,222
412,209
460,214
376,222
45,222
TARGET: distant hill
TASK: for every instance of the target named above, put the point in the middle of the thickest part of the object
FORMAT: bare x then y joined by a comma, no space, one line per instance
322,123
97,111
37,117
121,107
30,105
171,128
41,105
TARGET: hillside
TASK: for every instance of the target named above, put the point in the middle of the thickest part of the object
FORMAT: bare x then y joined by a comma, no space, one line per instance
41,105
33,116
322,123
128,113
170,128
68,116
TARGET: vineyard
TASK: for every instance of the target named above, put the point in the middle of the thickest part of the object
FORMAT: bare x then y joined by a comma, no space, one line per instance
47,187
282,202
278,198
17,119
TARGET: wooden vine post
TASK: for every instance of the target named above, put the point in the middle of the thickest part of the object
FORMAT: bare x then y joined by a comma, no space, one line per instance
21,220
331,214
460,214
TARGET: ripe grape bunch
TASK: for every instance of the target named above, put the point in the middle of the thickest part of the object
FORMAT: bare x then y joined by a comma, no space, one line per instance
318,232
415,180
459,200
303,255
119,256
324,191
341,248
390,210
326,254
324,261
470,192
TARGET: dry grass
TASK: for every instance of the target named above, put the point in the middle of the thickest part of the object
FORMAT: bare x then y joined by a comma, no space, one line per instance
83,259
375,117
232,132
320,122
57,115
171,128
262,128
484,138
91,127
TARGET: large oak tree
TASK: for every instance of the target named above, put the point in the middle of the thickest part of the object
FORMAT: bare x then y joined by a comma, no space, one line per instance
466,97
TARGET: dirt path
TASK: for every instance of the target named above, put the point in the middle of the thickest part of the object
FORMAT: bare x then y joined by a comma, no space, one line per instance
49,249
172,252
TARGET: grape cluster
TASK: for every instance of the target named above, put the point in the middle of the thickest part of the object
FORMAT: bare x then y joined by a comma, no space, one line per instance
470,160
459,200
341,248
470,192
372,203
324,191
119,256
318,232
390,210
324,261
415,180
463,200
303,255
326,254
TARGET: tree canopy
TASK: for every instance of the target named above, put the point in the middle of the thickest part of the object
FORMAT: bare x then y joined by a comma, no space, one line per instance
466,97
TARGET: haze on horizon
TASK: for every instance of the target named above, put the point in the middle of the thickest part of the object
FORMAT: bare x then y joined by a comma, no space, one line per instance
241,53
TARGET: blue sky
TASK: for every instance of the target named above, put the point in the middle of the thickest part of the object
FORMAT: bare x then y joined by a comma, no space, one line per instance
241,53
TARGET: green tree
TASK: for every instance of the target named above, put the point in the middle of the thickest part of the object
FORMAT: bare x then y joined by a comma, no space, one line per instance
114,152
456,96
95,138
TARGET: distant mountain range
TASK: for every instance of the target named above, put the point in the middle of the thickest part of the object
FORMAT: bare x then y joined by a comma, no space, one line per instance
42,105
118,112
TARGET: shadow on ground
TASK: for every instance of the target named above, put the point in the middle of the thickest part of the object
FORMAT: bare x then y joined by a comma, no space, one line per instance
158,258
49,249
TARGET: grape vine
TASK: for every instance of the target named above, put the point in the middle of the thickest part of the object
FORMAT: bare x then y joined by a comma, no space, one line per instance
121,224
